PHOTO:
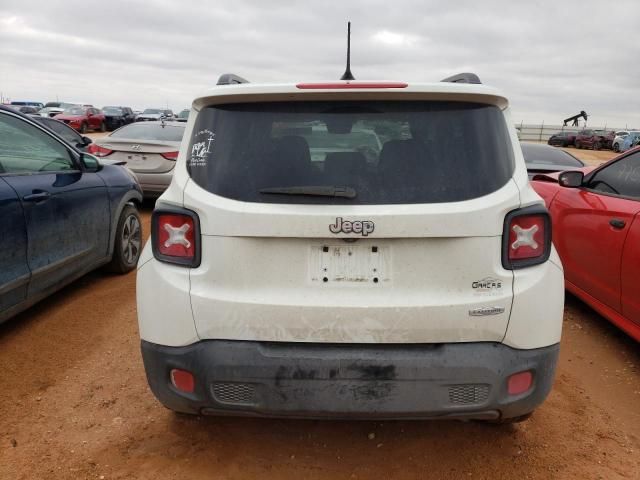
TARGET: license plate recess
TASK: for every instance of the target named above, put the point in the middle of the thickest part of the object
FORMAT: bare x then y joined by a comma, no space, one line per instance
352,264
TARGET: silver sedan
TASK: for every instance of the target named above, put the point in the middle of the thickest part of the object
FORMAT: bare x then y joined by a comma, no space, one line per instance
149,150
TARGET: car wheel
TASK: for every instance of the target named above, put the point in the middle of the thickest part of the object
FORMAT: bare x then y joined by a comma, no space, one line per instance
83,127
596,146
616,147
103,127
578,145
128,241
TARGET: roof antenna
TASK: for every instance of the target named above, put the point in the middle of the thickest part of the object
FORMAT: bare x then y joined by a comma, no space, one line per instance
347,75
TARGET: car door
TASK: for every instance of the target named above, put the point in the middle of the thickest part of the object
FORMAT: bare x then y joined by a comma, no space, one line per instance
15,273
66,208
93,119
630,274
592,225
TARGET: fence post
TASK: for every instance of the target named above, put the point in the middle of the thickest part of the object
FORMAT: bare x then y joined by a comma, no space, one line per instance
541,128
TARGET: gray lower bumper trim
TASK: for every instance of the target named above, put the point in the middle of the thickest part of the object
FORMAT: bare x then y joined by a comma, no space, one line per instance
455,380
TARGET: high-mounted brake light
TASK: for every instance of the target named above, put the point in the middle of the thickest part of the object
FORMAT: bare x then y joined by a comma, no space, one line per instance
347,85
170,155
526,238
98,151
175,237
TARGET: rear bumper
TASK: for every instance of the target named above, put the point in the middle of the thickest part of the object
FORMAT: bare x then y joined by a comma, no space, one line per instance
456,380
154,183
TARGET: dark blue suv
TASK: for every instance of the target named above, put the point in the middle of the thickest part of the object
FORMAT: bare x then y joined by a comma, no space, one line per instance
62,214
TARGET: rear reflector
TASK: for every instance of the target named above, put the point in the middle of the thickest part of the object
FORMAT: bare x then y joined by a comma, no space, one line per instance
345,85
98,151
183,380
175,237
519,382
526,237
170,155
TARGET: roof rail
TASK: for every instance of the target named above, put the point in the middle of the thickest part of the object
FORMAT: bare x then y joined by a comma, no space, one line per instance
463,78
230,79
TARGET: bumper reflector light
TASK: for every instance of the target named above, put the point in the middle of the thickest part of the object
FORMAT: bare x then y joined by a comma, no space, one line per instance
183,380
519,382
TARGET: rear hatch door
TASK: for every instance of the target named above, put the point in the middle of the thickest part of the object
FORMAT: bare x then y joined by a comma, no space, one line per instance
412,257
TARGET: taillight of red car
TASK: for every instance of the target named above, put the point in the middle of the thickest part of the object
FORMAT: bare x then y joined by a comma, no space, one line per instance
175,236
526,238
98,151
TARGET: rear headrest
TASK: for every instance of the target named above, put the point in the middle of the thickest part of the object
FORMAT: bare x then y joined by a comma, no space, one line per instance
294,149
290,163
345,163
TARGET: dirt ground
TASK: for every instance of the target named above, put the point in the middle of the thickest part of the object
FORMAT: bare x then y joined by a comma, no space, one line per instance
74,404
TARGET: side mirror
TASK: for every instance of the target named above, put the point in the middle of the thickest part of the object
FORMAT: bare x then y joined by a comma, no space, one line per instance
91,163
571,179
86,141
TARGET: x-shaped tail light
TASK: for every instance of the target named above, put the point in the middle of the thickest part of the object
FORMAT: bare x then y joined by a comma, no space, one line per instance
177,235
525,237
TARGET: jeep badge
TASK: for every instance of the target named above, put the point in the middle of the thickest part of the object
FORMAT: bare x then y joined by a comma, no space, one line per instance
364,227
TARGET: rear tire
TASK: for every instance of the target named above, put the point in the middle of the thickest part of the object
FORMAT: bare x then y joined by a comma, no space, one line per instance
103,127
127,242
83,128
596,146
616,147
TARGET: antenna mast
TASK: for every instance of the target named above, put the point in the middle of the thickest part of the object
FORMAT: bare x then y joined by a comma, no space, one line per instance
347,75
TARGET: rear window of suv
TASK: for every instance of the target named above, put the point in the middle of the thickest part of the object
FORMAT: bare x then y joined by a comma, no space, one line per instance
391,152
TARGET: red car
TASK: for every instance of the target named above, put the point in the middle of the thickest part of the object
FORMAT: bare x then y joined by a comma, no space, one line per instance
596,231
83,118
594,139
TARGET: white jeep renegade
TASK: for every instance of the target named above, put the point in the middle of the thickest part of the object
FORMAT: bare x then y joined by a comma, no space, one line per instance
351,249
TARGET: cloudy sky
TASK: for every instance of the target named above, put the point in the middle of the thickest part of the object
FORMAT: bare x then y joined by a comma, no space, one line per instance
551,58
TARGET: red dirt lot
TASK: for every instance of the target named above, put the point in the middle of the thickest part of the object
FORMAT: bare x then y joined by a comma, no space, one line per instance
75,404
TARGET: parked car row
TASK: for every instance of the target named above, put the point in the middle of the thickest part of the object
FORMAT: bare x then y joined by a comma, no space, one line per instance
619,141
84,116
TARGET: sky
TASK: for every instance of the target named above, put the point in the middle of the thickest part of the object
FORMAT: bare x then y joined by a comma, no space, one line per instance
550,58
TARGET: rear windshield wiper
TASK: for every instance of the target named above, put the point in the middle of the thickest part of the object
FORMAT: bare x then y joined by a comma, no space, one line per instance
317,191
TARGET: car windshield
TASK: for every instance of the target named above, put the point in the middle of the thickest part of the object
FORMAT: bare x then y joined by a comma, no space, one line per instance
112,111
152,111
535,154
184,114
75,111
52,105
379,152
151,131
